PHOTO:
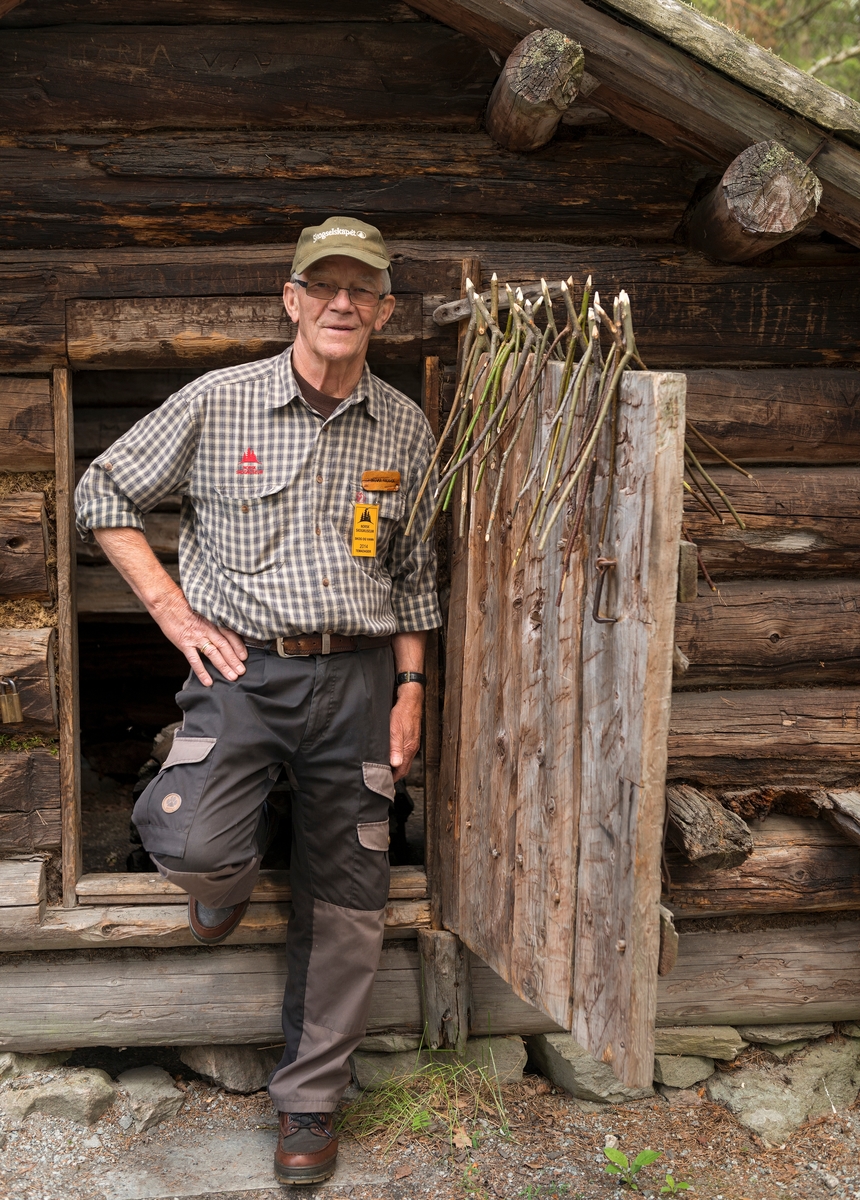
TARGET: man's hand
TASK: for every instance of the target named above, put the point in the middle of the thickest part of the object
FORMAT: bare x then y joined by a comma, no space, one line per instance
406,728
406,714
132,556
198,638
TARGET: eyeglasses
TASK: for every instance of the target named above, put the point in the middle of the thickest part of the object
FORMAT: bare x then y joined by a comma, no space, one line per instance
359,296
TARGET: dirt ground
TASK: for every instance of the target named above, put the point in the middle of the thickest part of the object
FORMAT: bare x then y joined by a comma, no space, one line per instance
553,1149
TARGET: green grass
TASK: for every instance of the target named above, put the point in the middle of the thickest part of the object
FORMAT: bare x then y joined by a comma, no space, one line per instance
436,1096
11,742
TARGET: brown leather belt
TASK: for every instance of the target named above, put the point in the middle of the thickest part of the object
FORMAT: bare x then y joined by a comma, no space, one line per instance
306,644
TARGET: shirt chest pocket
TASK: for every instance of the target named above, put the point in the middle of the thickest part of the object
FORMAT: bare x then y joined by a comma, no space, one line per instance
248,526
391,505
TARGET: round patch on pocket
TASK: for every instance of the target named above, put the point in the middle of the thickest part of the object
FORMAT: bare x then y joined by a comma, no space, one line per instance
171,802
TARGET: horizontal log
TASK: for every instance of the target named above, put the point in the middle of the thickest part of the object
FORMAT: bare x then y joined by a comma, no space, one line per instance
98,428
842,810
797,522
24,546
268,76
407,883
162,533
27,656
101,589
797,865
29,780
36,13
773,976
22,884
687,312
773,631
165,925
777,416
185,997
196,187
766,196
538,83
26,424
706,834
38,829
790,735
208,332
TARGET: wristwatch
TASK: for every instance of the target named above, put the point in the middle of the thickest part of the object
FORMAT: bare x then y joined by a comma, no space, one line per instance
410,677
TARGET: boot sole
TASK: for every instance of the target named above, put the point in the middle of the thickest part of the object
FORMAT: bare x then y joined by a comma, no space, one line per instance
304,1175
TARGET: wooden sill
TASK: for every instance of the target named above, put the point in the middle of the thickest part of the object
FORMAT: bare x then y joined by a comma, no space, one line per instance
273,887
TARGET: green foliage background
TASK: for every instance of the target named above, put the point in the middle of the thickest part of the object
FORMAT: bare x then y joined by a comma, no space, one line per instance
801,31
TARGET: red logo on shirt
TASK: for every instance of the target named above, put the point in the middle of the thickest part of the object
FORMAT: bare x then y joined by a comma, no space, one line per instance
249,464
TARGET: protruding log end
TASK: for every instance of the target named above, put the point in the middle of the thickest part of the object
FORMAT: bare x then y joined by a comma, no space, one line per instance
537,85
766,196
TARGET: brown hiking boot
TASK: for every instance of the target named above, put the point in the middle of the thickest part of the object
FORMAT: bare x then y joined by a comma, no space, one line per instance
307,1148
210,926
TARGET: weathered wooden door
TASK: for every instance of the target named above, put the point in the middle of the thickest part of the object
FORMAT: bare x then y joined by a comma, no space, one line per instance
554,751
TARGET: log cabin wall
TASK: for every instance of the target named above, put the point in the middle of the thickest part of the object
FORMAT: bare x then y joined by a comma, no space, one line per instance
158,160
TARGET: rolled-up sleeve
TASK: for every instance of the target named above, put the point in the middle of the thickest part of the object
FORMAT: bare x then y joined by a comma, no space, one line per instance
411,561
139,470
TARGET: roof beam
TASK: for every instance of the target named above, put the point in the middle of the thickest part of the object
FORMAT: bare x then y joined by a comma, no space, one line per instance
537,85
652,86
6,6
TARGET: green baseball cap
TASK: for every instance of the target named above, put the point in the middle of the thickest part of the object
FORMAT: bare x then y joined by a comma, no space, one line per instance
341,235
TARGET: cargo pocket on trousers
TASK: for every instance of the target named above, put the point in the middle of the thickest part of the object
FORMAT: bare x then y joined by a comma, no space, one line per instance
373,835
379,778
165,810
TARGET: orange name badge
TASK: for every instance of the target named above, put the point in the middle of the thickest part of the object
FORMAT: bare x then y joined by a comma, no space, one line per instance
365,524
380,481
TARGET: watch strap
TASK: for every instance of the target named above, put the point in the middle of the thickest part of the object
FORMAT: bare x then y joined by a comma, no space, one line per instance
410,677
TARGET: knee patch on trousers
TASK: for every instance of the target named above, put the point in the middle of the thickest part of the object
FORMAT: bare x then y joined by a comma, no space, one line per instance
165,810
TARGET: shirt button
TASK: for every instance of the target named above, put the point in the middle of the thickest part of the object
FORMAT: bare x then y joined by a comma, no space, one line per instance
317,531
108,466
325,583
245,508
319,478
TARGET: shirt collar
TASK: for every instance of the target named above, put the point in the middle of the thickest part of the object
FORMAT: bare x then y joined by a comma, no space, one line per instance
285,389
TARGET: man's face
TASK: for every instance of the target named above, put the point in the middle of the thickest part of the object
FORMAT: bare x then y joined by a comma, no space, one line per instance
338,330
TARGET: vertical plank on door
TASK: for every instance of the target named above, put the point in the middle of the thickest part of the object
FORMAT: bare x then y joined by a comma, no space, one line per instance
518,787
67,636
626,694
446,899
432,714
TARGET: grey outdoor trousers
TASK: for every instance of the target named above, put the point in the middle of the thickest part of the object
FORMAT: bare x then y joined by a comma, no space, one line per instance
326,719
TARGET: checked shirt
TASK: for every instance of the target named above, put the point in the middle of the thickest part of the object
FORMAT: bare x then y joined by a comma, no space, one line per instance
268,493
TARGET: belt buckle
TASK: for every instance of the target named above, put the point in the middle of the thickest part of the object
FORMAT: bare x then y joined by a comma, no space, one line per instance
282,653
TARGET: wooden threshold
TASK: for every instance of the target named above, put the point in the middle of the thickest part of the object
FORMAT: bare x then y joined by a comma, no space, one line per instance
273,887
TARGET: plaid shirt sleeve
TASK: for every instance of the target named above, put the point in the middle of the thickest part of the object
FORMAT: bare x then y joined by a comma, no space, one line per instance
151,461
412,562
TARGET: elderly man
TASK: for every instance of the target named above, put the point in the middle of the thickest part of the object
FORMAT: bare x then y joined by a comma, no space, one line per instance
303,612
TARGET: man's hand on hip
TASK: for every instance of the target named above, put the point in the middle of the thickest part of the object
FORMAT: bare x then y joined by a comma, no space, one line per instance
194,635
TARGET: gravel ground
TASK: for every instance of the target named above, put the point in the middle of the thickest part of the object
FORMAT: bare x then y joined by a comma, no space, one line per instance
554,1148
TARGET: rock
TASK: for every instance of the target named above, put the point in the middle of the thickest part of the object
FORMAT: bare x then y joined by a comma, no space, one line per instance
152,1096
682,1070
565,1062
13,1065
92,1143
781,1053
710,1041
778,1035
237,1068
388,1043
502,1058
680,1097
126,1121
81,1096
371,1071
774,1100
850,1028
